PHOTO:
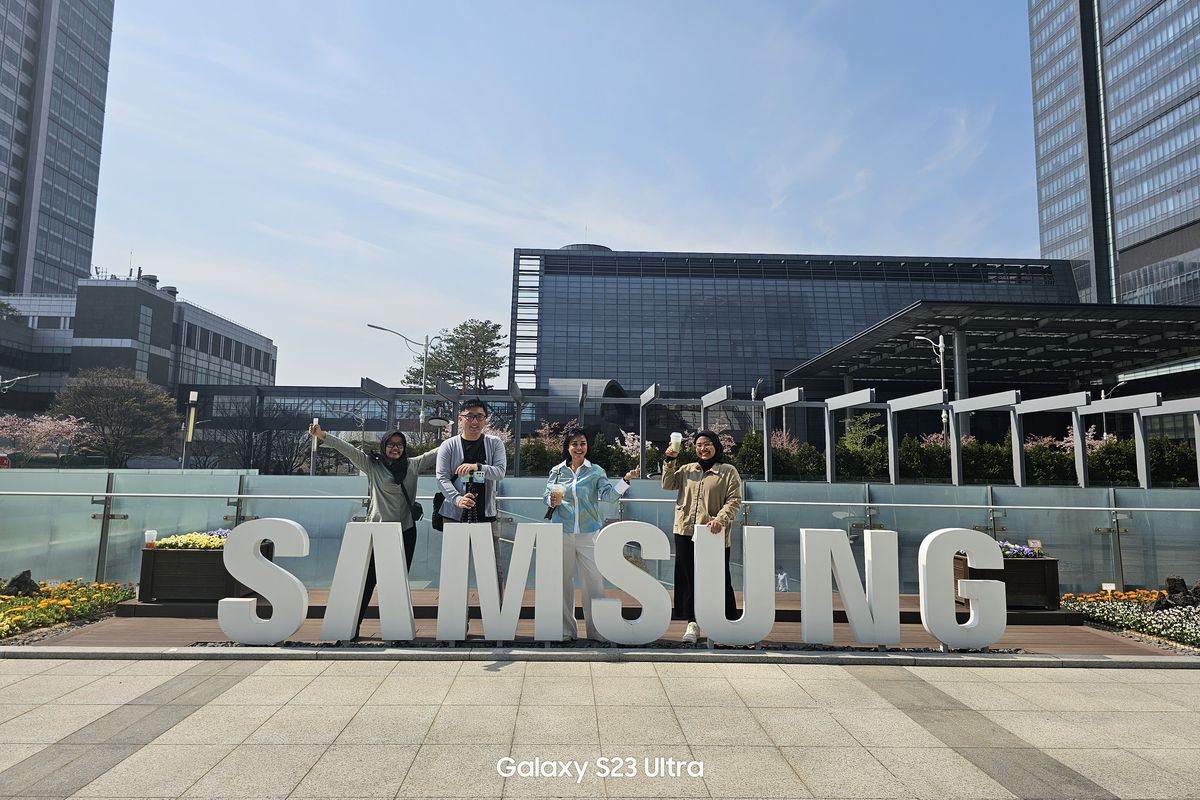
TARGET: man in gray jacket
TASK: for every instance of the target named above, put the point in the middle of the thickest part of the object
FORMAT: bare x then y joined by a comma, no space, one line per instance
469,469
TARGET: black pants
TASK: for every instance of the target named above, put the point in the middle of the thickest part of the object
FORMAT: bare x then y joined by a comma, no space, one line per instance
410,544
685,582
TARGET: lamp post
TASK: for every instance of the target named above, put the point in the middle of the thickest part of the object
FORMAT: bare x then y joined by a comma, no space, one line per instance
189,426
939,350
1104,417
754,396
424,367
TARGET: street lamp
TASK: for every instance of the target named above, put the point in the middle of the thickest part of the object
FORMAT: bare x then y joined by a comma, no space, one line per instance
754,396
189,426
1104,417
939,350
424,367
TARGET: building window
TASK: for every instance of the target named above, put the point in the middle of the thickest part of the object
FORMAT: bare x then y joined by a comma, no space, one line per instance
145,323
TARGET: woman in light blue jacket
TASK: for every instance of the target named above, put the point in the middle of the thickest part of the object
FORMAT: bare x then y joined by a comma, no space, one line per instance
584,486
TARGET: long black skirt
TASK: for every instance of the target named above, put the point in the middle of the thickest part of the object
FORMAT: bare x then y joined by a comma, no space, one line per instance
410,544
685,582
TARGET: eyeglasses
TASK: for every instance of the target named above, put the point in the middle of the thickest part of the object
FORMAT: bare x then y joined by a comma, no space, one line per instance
394,446
473,417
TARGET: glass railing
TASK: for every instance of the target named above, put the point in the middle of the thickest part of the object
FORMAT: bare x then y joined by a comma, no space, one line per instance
54,524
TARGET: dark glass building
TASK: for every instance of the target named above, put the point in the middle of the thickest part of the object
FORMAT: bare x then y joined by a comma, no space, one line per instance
695,321
132,324
53,82
1116,97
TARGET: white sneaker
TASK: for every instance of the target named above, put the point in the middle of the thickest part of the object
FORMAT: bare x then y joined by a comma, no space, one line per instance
692,633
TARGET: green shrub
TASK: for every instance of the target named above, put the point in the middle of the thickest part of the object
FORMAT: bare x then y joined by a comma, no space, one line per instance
749,457
1045,466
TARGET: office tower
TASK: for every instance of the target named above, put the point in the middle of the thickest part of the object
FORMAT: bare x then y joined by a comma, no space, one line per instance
694,321
126,323
53,79
1116,99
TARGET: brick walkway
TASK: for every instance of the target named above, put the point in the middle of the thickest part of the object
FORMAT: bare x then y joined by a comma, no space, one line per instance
358,729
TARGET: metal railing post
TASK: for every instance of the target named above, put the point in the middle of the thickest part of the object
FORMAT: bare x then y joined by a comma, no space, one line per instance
104,517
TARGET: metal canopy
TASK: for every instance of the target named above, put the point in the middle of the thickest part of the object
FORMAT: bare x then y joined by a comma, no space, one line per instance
1016,343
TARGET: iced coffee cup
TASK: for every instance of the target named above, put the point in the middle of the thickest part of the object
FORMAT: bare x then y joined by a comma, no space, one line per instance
556,493
151,537
677,442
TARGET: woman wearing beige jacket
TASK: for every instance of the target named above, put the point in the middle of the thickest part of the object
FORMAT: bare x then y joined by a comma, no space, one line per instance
709,494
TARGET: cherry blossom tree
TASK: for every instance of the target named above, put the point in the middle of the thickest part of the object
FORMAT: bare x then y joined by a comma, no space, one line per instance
42,433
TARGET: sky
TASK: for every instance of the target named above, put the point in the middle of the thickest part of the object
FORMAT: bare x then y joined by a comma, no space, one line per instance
305,168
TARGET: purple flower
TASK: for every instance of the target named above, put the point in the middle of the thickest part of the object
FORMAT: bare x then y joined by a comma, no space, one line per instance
1014,550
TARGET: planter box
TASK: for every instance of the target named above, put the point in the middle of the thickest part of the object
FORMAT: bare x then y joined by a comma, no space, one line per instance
1028,582
189,575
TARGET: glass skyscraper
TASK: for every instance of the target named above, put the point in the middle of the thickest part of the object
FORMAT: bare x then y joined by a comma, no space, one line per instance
695,321
1116,97
53,81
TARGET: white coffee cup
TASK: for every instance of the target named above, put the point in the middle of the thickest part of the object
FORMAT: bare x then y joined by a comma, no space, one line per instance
677,442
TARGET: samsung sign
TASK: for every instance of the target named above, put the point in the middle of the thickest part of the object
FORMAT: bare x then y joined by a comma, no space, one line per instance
873,609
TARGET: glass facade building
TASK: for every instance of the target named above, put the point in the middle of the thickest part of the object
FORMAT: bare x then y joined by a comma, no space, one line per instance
1116,95
53,82
131,324
694,321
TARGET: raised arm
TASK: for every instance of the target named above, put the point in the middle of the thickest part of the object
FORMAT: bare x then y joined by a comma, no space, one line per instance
609,493
353,454
424,461
670,473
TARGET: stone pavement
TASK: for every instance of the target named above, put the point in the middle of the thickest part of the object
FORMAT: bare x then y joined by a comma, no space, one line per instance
437,728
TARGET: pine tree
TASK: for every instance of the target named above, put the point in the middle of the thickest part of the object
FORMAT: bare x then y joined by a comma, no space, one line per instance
467,357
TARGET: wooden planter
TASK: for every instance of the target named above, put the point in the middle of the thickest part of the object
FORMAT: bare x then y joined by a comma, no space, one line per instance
189,575
1028,582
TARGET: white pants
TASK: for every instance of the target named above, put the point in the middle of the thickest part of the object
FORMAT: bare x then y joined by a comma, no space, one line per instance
579,552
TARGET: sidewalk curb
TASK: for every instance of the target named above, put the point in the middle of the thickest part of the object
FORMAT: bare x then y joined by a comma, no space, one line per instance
607,655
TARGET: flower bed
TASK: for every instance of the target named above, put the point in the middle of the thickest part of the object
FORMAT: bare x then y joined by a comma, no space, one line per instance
190,567
1030,578
55,604
1133,611
213,540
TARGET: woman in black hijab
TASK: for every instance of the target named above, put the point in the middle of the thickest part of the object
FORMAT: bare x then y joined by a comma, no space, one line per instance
391,488
709,494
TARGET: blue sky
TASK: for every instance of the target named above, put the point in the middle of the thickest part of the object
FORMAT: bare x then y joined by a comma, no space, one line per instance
305,168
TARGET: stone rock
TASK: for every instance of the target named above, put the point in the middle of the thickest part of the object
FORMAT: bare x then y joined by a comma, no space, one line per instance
1176,585
22,584
1178,595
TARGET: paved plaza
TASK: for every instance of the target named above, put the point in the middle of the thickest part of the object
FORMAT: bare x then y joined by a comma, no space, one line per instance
249,728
